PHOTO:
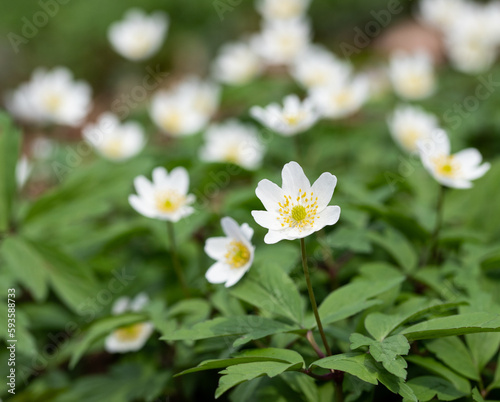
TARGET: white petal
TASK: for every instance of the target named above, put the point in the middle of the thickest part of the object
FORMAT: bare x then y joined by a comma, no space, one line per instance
234,276
179,179
476,173
453,183
140,301
329,216
120,305
323,189
247,231
274,236
267,220
232,229
468,157
144,187
218,273
294,179
160,177
270,194
141,206
216,247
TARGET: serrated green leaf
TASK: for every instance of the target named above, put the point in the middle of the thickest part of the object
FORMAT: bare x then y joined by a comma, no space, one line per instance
360,365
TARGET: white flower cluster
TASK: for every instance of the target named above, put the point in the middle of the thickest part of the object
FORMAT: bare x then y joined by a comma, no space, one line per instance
471,31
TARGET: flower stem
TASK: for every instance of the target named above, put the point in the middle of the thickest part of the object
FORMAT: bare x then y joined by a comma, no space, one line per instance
175,259
431,251
312,298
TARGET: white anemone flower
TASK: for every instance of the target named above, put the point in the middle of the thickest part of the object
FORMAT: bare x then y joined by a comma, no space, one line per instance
292,118
297,209
412,75
138,36
341,99
234,142
51,97
186,108
281,42
282,9
440,14
132,337
237,64
451,170
234,253
23,171
317,67
113,140
166,197
410,124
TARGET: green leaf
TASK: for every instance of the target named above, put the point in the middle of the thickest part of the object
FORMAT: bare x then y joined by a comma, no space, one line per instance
25,341
428,387
250,356
192,310
234,375
397,246
453,353
453,325
354,239
10,145
483,347
437,368
246,327
99,330
270,289
388,352
476,395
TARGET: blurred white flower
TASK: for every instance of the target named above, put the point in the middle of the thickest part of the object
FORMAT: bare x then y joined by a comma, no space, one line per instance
409,124
297,209
23,171
186,108
113,140
412,75
132,337
233,253
138,36
51,97
317,67
237,63
440,14
166,197
457,170
281,42
282,9
292,118
341,99
233,142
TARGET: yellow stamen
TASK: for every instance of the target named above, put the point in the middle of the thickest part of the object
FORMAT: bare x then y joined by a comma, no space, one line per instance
237,254
302,213
446,166
172,122
53,102
113,148
169,201
129,333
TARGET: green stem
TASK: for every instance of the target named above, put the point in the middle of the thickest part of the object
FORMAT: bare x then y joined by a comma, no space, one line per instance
175,259
312,298
431,251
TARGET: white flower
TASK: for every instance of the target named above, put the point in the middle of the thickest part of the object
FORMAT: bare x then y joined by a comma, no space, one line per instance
23,171
113,140
441,13
164,198
412,75
457,170
237,63
341,99
282,9
233,142
132,337
138,36
409,124
233,253
297,209
316,67
186,108
280,42
293,118
51,97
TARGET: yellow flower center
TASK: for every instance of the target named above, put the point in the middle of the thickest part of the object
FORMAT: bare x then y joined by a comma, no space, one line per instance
293,119
343,98
129,333
113,148
446,166
237,254
300,212
232,154
172,122
169,201
409,138
53,102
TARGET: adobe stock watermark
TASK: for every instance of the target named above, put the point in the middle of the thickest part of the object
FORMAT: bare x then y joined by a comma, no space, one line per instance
31,26
363,36
224,6
122,107
88,310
